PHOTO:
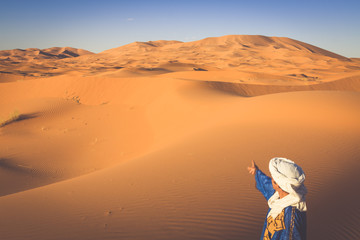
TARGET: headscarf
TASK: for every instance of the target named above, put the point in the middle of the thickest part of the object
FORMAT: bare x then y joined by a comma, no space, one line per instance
290,177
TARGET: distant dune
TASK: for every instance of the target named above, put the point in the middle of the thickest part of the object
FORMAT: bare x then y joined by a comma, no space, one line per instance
151,140
23,55
254,60
34,62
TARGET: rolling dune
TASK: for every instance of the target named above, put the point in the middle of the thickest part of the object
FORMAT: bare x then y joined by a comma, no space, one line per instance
152,140
242,55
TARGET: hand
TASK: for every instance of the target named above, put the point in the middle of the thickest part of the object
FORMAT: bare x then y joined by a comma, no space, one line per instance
253,168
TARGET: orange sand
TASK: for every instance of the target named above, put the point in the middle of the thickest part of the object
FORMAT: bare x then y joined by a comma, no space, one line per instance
138,142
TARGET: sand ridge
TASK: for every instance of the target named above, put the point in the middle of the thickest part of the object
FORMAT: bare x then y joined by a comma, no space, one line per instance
265,58
151,140
34,62
198,186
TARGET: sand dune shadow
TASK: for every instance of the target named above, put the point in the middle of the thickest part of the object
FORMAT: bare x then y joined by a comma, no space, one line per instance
18,117
27,116
9,165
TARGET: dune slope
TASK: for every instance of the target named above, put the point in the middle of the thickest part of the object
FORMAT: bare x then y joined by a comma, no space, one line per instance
197,187
252,59
151,140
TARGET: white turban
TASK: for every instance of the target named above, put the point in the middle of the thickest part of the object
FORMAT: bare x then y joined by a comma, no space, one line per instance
286,174
290,177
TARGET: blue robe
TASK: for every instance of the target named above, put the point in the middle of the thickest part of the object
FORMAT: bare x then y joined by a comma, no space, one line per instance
291,223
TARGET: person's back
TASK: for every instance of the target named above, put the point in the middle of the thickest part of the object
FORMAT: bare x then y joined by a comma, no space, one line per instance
285,193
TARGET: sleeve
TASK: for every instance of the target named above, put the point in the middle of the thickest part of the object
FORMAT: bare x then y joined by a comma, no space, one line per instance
296,225
263,184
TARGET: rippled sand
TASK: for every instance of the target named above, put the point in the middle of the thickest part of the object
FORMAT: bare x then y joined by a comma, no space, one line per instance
164,156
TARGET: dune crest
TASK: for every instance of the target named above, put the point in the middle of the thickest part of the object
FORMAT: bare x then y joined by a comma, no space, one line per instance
38,54
253,59
152,140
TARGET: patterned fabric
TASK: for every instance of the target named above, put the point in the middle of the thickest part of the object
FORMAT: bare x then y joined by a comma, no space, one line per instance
274,225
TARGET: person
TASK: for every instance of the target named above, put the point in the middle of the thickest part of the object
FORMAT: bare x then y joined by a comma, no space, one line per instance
285,193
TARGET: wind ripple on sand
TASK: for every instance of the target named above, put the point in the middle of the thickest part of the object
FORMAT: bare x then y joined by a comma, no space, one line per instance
198,188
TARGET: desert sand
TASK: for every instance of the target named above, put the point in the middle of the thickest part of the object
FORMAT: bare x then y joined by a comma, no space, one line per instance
151,140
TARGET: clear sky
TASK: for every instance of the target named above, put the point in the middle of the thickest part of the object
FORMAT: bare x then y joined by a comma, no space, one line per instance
104,24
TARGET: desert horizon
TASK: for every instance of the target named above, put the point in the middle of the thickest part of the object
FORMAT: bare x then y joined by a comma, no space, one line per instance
151,140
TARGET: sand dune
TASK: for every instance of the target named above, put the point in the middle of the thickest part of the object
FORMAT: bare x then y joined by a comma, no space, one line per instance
255,89
198,187
35,53
152,140
33,62
273,57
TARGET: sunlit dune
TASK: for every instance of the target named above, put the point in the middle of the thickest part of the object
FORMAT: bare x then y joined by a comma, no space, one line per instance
151,140
243,60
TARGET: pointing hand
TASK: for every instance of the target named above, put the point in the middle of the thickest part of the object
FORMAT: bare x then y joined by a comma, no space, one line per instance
253,168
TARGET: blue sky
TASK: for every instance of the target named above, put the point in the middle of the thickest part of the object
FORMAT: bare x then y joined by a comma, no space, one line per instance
104,24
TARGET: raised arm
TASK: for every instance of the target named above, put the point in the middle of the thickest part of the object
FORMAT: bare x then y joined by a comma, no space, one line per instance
263,182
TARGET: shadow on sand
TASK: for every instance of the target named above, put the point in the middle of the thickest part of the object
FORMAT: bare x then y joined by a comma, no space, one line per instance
9,165
18,118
